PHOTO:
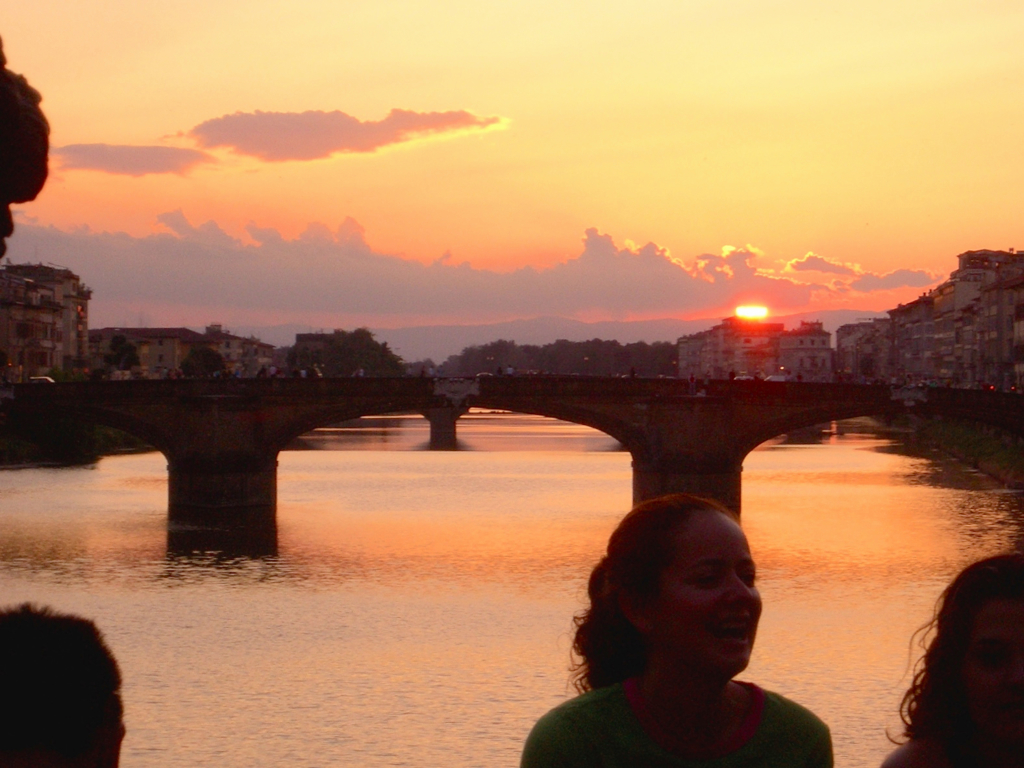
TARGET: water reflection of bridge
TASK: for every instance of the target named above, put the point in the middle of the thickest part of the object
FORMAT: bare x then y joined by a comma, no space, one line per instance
222,437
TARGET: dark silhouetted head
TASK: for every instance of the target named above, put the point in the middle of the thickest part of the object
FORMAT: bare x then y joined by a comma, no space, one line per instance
60,702
24,145
938,705
608,647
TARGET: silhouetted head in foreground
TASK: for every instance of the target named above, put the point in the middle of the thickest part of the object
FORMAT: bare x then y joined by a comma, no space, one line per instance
60,701
965,706
609,644
24,145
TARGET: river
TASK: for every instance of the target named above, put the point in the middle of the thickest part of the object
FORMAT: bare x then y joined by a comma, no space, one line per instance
417,609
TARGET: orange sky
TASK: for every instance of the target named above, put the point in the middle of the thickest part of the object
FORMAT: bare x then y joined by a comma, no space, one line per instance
878,136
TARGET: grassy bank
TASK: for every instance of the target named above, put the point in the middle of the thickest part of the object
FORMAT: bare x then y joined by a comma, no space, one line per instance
987,449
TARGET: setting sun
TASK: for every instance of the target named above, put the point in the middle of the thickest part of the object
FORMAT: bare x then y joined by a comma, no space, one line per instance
752,312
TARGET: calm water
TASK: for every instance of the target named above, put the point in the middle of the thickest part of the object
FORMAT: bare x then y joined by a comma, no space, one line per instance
418,607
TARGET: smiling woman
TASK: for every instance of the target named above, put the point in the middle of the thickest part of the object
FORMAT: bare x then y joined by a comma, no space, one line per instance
672,620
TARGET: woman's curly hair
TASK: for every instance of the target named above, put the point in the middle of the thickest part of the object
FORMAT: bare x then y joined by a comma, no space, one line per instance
608,648
935,706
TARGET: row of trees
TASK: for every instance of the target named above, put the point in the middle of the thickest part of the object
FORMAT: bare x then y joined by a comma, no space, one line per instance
596,357
357,352
346,353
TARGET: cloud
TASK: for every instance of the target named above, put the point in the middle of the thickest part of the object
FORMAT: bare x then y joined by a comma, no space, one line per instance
900,278
278,136
130,160
862,281
814,263
332,277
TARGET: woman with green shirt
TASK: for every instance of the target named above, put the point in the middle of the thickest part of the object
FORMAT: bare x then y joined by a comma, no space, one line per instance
672,619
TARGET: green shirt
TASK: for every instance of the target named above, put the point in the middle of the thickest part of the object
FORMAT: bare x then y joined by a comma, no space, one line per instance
599,729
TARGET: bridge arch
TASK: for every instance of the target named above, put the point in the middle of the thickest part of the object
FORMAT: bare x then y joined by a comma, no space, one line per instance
222,437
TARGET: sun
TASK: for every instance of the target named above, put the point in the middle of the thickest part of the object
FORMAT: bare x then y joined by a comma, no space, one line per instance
752,312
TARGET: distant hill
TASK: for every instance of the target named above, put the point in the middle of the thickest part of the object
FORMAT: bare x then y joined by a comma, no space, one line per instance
440,341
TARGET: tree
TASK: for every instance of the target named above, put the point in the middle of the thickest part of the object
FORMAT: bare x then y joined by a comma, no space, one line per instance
202,362
597,357
346,352
122,355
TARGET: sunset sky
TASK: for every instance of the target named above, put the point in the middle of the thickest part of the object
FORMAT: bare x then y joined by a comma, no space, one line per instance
398,163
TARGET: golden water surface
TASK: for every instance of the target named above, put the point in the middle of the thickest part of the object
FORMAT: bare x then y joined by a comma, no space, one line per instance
417,610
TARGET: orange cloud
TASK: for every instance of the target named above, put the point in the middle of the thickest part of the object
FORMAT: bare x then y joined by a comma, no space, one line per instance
130,160
853,278
814,263
280,136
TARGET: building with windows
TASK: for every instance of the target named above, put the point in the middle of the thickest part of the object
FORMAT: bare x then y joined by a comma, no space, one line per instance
162,350
749,347
805,353
44,320
864,350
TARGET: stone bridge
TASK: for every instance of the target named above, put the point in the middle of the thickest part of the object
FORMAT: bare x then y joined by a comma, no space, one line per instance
221,438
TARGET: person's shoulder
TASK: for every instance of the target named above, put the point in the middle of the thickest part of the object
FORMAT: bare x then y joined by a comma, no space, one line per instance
919,753
592,704
792,735
565,735
778,707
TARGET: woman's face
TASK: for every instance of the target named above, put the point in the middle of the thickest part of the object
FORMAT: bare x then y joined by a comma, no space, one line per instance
993,672
705,615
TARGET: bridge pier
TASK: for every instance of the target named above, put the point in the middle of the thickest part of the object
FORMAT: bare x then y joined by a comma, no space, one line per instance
718,483
221,495
247,532
442,427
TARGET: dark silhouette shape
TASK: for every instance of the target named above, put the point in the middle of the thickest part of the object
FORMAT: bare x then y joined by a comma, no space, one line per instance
24,145
202,362
123,355
60,701
345,353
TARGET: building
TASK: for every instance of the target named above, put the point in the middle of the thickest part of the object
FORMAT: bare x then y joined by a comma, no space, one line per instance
162,350
748,347
964,332
245,356
913,331
805,353
864,350
44,320
736,346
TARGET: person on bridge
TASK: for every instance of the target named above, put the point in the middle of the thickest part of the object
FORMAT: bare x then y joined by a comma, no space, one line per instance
672,619
60,699
965,706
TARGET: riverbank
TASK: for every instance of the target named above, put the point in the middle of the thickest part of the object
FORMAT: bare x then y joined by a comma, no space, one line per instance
75,446
987,449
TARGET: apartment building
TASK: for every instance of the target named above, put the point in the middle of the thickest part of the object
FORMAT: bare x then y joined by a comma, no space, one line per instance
748,347
864,350
44,320
162,350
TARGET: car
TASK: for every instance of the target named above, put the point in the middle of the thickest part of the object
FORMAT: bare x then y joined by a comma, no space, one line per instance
41,380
